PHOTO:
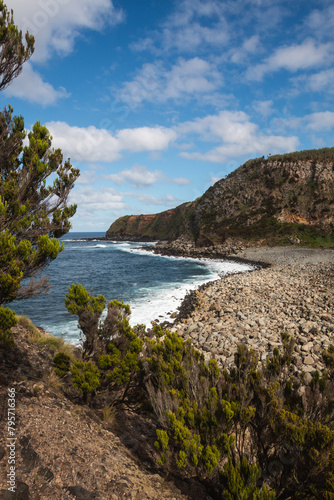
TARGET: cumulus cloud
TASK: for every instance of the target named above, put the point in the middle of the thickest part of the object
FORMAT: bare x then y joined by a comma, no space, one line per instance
249,46
191,27
321,81
149,199
87,178
238,137
29,85
293,58
145,138
181,181
321,22
264,108
140,177
314,122
185,79
91,199
56,24
320,121
91,144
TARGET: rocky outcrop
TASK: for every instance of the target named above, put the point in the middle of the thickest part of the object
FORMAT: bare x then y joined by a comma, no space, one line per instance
264,199
168,225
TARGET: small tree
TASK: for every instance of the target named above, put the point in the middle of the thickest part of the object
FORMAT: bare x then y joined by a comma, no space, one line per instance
88,309
34,186
13,52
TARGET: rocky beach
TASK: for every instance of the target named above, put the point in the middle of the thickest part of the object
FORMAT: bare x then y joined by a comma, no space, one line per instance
293,293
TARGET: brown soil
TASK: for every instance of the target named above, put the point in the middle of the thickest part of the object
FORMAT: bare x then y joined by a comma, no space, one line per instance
64,450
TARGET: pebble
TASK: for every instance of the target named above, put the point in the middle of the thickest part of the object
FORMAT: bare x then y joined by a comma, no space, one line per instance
256,307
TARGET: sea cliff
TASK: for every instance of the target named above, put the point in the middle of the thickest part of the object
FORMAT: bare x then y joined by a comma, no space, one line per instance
283,199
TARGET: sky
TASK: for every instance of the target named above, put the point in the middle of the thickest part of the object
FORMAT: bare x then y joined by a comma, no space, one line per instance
155,100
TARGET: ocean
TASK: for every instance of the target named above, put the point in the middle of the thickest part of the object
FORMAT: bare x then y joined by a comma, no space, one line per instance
153,285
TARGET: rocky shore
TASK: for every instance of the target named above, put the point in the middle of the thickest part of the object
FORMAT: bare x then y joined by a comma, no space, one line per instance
293,294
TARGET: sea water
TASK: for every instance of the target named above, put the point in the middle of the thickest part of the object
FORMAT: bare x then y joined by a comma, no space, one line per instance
153,285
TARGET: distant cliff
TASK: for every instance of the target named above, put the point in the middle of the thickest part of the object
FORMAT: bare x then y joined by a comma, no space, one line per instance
274,200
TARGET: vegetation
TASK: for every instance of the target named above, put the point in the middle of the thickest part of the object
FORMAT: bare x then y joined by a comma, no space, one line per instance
255,432
281,233
13,52
34,187
62,362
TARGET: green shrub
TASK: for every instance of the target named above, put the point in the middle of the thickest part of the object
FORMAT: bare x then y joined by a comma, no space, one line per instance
85,376
62,362
7,321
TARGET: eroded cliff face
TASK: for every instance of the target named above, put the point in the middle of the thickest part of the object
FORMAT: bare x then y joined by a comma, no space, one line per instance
260,198
168,225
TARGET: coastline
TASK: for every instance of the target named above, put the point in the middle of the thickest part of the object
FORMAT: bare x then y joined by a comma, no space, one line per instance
292,291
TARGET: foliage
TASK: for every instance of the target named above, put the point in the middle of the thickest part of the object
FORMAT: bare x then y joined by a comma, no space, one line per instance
113,343
33,208
7,321
272,437
281,232
255,432
88,309
13,52
85,376
33,213
62,362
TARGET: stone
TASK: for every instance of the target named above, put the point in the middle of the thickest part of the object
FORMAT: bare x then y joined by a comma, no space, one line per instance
308,360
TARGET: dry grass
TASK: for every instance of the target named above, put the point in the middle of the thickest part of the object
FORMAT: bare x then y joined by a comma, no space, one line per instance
35,336
108,414
55,382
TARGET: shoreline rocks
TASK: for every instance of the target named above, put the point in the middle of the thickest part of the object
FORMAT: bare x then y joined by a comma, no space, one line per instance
294,296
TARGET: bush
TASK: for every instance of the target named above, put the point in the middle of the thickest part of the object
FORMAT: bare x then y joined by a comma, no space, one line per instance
7,321
62,362
85,377
250,433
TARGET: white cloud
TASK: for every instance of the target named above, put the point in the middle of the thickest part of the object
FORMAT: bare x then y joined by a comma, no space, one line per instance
138,175
193,25
213,180
264,108
145,138
238,137
30,86
87,178
293,58
57,23
250,46
92,199
181,181
321,22
91,144
186,79
321,81
320,121
315,122
149,199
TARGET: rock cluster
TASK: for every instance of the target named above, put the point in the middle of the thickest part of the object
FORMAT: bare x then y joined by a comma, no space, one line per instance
255,307
184,246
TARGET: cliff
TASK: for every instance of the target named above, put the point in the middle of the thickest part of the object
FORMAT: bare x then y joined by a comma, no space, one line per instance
277,199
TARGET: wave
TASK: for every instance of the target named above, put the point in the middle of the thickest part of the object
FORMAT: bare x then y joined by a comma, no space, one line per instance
160,302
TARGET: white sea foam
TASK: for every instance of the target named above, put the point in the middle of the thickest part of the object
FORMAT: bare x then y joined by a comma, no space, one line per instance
158,303
154,302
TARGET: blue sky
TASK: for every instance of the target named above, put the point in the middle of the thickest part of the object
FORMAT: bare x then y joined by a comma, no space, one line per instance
154,101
